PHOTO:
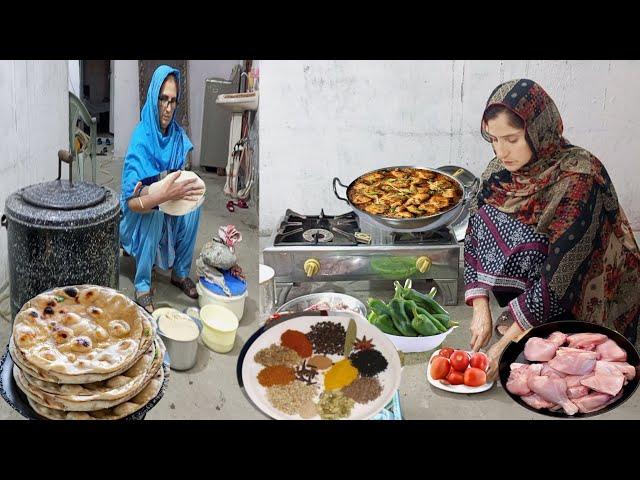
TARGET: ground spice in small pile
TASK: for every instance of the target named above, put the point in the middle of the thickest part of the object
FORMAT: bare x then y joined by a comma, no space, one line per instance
277,355
363,390
320,362
291,398
340,375
334,405
308,410
276,375
327,337
369,362
297,341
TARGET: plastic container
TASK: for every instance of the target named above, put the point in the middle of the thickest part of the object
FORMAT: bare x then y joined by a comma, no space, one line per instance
234,303
267,290
219,328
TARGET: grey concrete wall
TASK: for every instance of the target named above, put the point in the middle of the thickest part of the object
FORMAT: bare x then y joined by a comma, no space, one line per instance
34,122
320,119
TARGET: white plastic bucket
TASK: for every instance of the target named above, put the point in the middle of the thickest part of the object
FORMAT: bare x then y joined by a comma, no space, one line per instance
235,303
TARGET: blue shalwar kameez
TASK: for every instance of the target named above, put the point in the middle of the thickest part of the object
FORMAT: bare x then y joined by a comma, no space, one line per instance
156,238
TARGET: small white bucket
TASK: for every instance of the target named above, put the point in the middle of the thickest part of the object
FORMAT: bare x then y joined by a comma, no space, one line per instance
235,303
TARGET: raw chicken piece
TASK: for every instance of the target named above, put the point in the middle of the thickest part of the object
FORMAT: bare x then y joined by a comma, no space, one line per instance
539,350
558,338
574,363
515,365
574,380
586,341
607,379
611,352
537,402
547,371
565,350
629,371
519,377
592,402
553,390
577,392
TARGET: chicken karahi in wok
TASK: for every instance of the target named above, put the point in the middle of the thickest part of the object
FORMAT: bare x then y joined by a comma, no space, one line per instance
404,193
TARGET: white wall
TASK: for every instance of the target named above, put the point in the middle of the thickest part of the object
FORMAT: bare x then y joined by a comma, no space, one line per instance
74,78
111,90
126,103
199,71
34,122
320,119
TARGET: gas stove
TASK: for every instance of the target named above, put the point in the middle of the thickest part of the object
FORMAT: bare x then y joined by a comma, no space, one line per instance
325,248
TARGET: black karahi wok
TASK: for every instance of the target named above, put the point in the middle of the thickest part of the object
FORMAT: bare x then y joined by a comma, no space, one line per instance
423,223
515,353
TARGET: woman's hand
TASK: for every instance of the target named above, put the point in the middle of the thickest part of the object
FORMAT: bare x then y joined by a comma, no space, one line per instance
513,333
187,190
494,354
481,324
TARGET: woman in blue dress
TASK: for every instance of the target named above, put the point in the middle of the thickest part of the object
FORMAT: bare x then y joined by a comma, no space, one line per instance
159,146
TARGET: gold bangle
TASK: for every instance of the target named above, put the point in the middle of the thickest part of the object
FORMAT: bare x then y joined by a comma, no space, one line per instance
141,204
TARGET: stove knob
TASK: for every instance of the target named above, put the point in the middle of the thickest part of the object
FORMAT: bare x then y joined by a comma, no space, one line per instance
311,267
423,264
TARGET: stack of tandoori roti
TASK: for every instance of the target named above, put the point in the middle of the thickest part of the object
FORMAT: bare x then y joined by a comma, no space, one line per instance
86,352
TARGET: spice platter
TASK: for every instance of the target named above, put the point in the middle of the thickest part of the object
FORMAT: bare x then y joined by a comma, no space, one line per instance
321,367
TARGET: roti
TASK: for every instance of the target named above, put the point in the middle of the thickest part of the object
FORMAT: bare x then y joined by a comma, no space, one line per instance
80,334
148,393
179,207
107,398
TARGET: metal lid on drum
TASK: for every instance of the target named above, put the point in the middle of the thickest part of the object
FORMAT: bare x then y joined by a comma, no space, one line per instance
62,204
64,195
68,209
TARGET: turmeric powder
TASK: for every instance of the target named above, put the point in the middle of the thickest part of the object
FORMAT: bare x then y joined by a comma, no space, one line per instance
340,375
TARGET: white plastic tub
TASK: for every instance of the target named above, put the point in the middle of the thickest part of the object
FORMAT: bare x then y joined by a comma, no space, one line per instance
235,303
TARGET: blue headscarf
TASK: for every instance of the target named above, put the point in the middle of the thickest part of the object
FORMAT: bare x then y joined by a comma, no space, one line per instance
150,151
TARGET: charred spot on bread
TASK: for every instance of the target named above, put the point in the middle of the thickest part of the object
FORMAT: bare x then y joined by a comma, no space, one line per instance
71,291
48,310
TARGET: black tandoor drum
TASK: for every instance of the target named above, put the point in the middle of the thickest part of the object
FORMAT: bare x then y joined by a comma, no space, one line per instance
61,233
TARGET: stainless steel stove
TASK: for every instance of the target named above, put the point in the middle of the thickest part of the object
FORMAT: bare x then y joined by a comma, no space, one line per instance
325,248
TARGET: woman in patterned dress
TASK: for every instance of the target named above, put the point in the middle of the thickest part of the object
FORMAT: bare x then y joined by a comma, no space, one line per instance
546,234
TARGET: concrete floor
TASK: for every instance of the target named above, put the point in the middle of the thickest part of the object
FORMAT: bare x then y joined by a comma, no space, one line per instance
210,389
418,398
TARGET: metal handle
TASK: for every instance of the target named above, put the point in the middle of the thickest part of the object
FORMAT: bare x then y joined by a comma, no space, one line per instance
471,190
335,190
3,221
66,157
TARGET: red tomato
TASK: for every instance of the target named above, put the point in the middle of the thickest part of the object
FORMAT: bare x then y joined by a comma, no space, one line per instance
479,360
459,360
439,368
474,377
445,352
455,377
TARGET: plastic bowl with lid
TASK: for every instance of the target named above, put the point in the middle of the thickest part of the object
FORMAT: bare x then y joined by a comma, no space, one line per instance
220,325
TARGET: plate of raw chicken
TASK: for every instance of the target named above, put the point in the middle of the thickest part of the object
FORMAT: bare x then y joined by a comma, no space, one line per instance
570,369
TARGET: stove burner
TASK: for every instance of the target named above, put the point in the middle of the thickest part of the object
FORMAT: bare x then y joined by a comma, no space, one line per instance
335,230
319,235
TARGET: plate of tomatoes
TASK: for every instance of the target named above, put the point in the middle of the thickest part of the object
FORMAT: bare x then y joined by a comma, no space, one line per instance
459,371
